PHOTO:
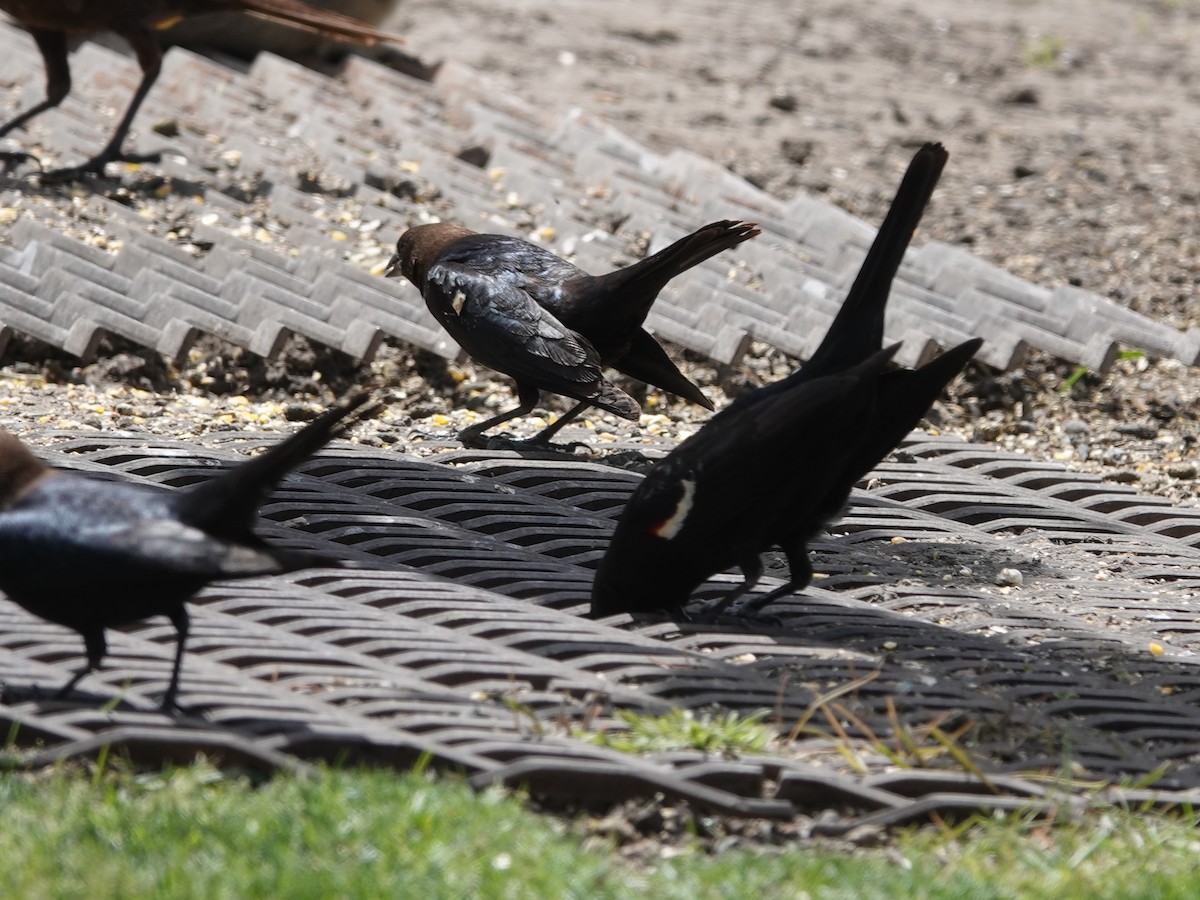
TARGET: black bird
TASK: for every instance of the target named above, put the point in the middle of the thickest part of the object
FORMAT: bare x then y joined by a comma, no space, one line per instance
775,466
92,554
139,22
497,274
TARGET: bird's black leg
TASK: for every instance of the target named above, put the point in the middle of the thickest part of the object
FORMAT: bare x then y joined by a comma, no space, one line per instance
750,608
149,53
53,46
752,570
96,647
801,570
181,621
473,437
543,436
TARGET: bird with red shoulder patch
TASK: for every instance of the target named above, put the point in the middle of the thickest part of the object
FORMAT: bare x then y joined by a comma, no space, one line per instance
780,462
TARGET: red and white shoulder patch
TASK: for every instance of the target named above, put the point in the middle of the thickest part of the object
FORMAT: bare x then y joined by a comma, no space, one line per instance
671,526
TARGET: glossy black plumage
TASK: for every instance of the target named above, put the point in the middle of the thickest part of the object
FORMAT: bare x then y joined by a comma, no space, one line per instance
92,555
611,308
775,466
732,490
512,289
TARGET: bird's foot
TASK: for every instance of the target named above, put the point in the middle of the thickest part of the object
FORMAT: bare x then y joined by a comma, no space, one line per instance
95,166
474,440
501,443
533,443
735,605
571,447
497,442
749,611
10,159
12,694
171,706
740,614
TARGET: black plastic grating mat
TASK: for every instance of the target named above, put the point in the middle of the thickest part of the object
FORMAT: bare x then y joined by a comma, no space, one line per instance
463,639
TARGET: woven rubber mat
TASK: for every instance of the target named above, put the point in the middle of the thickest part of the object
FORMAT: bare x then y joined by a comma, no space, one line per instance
925,680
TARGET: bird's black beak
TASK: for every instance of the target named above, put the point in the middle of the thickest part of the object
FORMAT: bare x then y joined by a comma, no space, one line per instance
393,266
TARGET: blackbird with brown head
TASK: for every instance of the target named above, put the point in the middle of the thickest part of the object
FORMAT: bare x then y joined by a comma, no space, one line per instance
487,290
93,555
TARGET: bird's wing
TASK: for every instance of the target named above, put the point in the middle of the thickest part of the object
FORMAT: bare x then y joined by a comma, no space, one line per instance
182,548
798,439
905,396
743,462
716,498
52,552
501,325
526,266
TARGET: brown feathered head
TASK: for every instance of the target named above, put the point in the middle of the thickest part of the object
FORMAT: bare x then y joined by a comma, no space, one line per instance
419,248
20,470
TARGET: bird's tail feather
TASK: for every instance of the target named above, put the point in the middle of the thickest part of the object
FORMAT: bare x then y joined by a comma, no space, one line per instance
857,330
226,506
648,362
653,272
310,18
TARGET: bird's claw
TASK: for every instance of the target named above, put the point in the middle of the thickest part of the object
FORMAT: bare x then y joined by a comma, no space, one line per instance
10,159
95,166
12,694
174,708
500,443
475,441
568,447
742,614
497,442
747,612
533,443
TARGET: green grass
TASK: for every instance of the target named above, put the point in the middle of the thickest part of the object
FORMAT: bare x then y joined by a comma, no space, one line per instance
727,733
194,832
1043,52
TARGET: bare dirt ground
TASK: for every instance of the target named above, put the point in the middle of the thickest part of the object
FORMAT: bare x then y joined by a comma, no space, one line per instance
1073,128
